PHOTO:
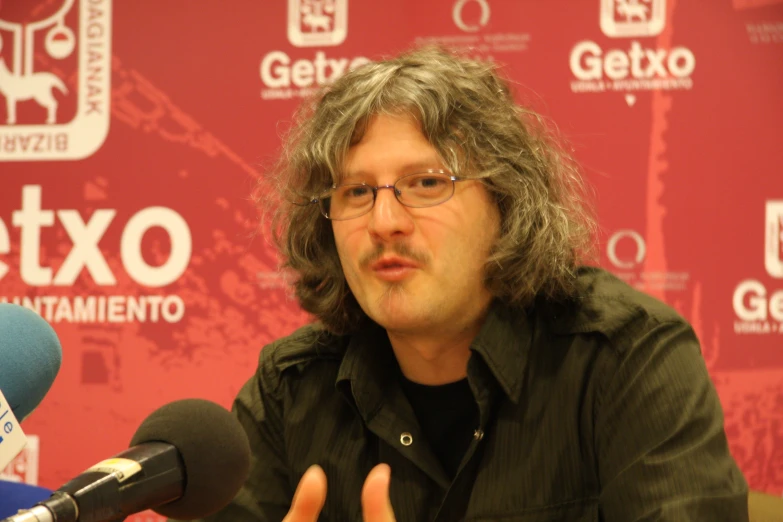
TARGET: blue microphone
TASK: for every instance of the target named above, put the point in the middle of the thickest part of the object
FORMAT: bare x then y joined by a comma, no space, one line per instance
30,357
15,496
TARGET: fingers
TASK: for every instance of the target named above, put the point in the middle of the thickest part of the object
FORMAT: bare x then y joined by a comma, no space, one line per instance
309,497
376,506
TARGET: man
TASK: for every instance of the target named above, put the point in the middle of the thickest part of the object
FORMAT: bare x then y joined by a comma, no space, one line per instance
465,366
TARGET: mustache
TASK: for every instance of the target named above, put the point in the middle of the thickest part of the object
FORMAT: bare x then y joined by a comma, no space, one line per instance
400,249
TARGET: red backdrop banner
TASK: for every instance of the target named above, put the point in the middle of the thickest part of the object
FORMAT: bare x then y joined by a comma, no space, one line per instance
133,134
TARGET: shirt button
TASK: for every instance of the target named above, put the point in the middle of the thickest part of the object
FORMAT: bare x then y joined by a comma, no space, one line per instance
478,434
406,439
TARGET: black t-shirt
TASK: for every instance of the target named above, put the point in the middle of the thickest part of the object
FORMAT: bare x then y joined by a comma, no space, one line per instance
448,416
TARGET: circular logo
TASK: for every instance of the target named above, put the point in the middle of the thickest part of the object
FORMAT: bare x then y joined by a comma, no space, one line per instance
60,42
473,27
611,248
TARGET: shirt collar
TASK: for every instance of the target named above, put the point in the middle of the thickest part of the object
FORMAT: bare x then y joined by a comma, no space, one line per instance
503,343
366,369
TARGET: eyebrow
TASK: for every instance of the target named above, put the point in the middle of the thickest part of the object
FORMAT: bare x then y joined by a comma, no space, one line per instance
408,168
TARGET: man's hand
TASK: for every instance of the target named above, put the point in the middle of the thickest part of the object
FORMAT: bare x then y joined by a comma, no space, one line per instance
311,494
309,497
376,506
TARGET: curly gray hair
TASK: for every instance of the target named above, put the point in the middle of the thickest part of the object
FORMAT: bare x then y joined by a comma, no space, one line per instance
467,112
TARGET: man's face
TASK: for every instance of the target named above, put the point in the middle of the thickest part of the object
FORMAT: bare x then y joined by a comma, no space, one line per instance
414,270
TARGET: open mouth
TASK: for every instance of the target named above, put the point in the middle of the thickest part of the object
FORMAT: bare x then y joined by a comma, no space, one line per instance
393,269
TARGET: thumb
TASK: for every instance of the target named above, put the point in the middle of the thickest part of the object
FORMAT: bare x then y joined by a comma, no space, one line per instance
309,497
376,506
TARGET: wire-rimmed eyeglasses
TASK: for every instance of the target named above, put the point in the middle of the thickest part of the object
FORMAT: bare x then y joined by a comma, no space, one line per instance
419,190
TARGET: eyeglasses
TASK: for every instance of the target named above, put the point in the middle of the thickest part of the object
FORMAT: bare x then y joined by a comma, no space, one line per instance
419,190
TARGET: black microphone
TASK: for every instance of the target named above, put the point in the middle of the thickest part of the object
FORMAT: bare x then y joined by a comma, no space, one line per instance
187,460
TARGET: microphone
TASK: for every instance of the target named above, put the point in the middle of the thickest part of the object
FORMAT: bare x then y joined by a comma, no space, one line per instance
187,460
30,357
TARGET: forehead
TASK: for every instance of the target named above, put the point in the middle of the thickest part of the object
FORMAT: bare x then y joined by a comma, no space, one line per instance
391,145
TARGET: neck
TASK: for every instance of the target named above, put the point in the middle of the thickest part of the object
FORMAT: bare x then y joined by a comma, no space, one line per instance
435,359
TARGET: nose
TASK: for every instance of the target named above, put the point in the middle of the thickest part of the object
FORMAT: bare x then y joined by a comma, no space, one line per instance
389,219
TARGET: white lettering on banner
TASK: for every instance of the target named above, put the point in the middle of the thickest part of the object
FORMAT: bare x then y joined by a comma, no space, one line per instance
30,219
638,69
85,253
755,308
99,309
181,244
588,62
33,142
86,236
758,306
96,58
279,74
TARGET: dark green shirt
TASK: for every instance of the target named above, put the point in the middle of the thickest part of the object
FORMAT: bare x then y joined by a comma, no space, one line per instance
599,410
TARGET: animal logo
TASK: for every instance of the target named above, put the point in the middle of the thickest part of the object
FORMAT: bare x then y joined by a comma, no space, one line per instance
315,23
55,79
632,9
632,18
38,86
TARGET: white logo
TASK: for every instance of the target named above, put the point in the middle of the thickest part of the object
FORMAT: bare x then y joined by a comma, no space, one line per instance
628,260
24,135
773,239
474,39
636,67
641,248
314,23
761,311
459,20
624,18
